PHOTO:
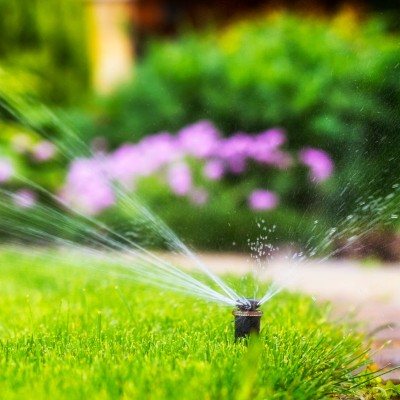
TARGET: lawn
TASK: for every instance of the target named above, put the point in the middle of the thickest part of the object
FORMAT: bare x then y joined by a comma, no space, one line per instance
68,332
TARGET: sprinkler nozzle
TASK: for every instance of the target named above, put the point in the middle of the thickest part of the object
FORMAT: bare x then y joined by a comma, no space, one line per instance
247,318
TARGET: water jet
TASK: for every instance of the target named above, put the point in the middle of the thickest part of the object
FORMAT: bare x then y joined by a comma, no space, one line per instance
247,318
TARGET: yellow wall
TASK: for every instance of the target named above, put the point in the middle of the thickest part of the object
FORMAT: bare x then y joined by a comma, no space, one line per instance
112,47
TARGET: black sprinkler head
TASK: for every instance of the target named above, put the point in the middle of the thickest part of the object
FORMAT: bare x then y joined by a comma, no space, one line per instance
247,318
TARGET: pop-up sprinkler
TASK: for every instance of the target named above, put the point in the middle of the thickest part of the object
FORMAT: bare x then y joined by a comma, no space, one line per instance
247,318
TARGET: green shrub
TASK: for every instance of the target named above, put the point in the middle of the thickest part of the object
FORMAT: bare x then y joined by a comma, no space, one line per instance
329,83
47,39
43,58
32,138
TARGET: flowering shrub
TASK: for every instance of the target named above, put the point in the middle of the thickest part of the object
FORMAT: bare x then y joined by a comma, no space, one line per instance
189,164
6,169
197,180
25,198
320,163
26,155
263,200
331,82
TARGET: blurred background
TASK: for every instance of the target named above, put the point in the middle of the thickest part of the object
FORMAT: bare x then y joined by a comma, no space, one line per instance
229,119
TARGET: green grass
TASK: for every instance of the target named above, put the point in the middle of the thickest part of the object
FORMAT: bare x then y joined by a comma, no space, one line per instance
68,333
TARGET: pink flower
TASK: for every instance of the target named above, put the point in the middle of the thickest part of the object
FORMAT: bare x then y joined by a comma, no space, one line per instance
214,170
200,139
145,158
6,170
44,151
199,196
235,150
320,164
159,150
124,164
272,138
261,199
25,198
180,178
88,187
266,150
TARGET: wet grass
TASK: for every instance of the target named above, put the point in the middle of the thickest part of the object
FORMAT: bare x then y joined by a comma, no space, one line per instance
68,333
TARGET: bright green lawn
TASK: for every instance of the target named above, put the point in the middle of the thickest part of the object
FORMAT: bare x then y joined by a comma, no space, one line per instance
67,333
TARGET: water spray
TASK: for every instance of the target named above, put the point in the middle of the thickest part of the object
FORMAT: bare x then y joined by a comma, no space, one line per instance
247,318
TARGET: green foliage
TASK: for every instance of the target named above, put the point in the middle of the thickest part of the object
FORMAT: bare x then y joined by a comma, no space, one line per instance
310,76
330,83
225,222
24,123
43,58
48,40
65,333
